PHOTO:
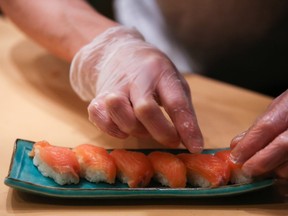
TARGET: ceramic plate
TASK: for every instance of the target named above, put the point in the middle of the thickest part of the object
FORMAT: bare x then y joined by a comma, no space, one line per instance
23,175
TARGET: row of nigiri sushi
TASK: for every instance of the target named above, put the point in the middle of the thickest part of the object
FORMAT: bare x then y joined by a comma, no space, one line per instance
96,164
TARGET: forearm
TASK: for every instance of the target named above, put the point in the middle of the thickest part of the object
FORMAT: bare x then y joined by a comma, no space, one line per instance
62,27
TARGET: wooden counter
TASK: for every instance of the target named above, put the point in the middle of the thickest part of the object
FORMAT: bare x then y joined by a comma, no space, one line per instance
38,103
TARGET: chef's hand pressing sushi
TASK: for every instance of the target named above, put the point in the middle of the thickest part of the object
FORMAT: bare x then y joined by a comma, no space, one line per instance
127,80
263,148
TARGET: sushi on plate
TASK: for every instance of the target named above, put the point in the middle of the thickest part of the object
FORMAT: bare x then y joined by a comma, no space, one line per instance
133,168
58,163
168,169
205,170
95,163
237,176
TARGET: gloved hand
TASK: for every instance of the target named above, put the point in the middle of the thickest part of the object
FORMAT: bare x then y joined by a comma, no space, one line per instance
263,148
126,80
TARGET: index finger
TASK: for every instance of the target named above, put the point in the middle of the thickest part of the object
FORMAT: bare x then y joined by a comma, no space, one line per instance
265,129
174,94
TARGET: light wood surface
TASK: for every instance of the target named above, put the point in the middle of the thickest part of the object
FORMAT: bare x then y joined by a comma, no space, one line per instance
38,103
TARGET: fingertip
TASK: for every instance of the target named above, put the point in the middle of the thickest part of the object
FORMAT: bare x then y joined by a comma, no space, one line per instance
237,139
233,144
96,111
99,117
235,156
195,149
195,145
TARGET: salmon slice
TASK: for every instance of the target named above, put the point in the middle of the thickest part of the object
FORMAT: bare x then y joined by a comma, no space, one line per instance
205,170
59,163
168,169
237,176
133,168
96,164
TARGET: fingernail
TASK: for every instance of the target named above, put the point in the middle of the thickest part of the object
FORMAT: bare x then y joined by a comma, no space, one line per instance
237,139
235,157
195,145
195,149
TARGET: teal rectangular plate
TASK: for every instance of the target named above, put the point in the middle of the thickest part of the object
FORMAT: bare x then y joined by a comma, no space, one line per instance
23,175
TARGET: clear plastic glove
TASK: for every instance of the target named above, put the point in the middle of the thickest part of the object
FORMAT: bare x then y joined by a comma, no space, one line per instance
263,148
127,80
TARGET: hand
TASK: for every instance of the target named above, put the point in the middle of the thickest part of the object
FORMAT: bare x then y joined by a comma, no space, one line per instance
263,148
127,80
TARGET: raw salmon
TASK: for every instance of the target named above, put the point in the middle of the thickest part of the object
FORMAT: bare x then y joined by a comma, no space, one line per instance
168,169
237,176
95,163
133,168
205,170
59,163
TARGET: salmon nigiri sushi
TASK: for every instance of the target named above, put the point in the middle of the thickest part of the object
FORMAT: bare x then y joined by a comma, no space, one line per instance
95,163
237,176
205,170
133,168
168,169
58,163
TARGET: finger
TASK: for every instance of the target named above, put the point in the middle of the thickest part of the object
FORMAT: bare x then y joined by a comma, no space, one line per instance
269,158
175,97
272,123
122,114
99,116
146,109
282,171
279,100
151,116
237,139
